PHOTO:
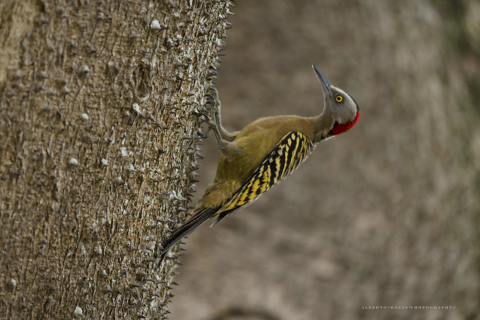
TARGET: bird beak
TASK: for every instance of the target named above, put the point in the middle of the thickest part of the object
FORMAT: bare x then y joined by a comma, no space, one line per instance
324,81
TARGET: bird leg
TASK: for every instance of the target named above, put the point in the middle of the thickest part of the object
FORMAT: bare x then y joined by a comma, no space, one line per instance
214,122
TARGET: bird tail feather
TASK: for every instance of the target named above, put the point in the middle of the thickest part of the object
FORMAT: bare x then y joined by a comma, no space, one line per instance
191,225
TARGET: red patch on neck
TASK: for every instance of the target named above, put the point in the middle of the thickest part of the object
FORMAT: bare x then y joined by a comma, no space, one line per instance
341,128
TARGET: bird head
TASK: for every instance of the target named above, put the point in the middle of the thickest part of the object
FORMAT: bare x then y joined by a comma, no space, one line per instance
341,106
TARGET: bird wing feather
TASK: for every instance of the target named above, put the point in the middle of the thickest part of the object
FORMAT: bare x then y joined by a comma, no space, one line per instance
282,160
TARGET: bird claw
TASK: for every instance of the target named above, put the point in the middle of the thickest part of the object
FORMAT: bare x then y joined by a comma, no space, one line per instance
213,109
213,119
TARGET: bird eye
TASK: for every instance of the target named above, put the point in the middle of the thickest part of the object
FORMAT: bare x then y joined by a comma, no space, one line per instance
339,99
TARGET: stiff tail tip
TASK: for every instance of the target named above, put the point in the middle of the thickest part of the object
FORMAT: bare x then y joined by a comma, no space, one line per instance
187,228
162,257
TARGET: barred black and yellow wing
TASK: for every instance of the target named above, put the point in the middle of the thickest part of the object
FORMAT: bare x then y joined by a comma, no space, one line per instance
285,157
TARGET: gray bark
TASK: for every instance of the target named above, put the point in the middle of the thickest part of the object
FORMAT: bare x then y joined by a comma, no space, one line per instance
99,120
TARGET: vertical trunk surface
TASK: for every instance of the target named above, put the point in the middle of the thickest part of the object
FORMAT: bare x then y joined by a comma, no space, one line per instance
99,118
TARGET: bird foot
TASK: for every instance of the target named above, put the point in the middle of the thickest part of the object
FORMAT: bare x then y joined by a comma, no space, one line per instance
213,119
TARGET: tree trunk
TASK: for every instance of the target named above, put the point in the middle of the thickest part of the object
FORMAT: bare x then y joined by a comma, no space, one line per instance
100,105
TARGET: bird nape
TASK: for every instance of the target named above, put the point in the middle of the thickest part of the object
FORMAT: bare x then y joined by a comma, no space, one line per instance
262,154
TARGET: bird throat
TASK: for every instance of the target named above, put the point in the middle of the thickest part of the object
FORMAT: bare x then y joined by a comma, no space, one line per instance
341,128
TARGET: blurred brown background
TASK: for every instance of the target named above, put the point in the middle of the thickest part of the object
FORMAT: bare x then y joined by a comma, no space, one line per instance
385,215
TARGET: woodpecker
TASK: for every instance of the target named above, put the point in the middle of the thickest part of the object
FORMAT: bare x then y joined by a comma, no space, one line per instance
264,153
